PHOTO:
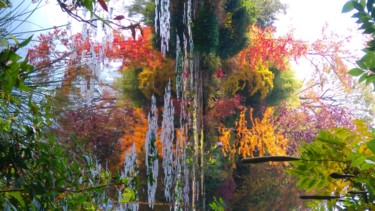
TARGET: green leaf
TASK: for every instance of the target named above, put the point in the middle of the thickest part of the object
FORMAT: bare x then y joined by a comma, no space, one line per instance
348,6
358,6
23,87
305,183
312,184
358,161
7,125
128,195
356,72
366,165
369,30
370,79
369,59
25,42
293,172
89,6
363,3
18,197
362,78
371,146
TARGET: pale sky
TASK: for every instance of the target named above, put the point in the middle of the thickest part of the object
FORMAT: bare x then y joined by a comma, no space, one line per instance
307,18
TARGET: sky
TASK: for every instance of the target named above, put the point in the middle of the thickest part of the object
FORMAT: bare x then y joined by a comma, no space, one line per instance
306,19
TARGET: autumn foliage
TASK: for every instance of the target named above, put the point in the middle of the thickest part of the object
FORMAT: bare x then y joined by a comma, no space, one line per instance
252,66
57,47
260,139
271,51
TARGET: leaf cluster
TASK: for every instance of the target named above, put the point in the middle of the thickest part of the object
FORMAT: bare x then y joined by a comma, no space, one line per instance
365,15
261,138
338,162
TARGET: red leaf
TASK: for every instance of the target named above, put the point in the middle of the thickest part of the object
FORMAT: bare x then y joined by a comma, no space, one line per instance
119,17
103,4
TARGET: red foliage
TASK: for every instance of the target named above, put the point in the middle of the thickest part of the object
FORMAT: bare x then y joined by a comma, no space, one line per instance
265,48
136,52
133,52
44,54
225,107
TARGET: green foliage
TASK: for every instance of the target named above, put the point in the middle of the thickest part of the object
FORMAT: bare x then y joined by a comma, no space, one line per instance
24,110
206,31
46,175
36,172
217,205
365,13
233,33
130,88
264,11
339,162
285,85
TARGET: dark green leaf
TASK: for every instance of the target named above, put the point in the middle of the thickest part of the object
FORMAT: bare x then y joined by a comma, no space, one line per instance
89,6
355,15
358,6
320,197
364,17
362,64
269,159
370,5
25,42
369,30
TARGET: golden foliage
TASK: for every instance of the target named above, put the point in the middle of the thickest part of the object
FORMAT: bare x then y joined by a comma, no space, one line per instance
153,80
259,80
260,139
